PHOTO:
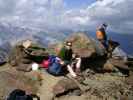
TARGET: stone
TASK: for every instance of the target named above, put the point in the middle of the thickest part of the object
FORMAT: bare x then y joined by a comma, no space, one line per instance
21,58
11,80
108,66
64,85
82,44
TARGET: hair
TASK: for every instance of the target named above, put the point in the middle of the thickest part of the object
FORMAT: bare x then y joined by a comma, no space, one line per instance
68,43
104,24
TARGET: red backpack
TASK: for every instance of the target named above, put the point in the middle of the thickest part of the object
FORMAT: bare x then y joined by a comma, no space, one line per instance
45,64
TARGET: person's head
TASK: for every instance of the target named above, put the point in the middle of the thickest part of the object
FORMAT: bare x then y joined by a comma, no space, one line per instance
68,45
26,43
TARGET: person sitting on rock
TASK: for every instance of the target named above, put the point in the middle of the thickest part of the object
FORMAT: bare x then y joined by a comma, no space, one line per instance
117,58
101,35
66,54
114,51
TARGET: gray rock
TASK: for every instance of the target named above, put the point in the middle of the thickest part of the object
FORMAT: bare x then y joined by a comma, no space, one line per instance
63,86
11,80
82,44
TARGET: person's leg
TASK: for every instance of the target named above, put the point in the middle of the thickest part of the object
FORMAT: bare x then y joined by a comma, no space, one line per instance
78,66
69,68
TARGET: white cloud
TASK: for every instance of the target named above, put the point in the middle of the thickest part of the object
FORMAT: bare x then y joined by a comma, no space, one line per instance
51,14
115,12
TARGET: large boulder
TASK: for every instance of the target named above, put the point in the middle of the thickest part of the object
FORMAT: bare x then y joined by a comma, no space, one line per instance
21,57
82,44
64,85
116,65
11,80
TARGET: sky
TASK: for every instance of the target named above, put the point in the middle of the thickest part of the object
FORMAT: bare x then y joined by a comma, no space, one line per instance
78,4
78,15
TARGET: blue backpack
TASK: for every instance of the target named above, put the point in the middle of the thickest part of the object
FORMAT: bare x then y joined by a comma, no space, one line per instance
55,67
52,58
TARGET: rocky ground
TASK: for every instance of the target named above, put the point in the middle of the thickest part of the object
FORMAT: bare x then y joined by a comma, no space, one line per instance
91,85
96,86
11,79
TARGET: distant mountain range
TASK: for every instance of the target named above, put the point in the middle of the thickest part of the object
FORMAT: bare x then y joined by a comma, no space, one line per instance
12,34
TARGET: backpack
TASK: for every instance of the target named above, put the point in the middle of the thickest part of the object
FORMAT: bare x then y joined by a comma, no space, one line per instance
52,59
18,94
55,69
45,64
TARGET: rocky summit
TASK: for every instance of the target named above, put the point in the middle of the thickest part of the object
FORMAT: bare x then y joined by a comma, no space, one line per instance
99,79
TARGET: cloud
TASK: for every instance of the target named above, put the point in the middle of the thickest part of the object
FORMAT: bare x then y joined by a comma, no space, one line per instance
52,14
116,13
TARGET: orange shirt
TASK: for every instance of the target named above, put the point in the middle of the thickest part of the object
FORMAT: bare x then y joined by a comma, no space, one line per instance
101,34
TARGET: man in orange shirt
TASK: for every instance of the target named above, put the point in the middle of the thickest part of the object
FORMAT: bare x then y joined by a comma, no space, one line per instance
102,36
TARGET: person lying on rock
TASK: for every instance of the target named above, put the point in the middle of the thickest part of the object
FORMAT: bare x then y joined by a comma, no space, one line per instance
66,54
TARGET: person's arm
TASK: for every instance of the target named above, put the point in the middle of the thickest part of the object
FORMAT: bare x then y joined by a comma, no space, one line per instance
62,53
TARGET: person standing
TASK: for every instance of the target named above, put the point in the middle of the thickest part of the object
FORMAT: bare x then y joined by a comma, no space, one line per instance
102,36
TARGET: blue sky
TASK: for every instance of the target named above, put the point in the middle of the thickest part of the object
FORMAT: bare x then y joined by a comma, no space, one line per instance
78,3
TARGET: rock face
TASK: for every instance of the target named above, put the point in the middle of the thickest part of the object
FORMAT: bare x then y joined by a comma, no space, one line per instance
82,44
96,86
21,58
11,80
116,65
102,87
105,86
63,86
